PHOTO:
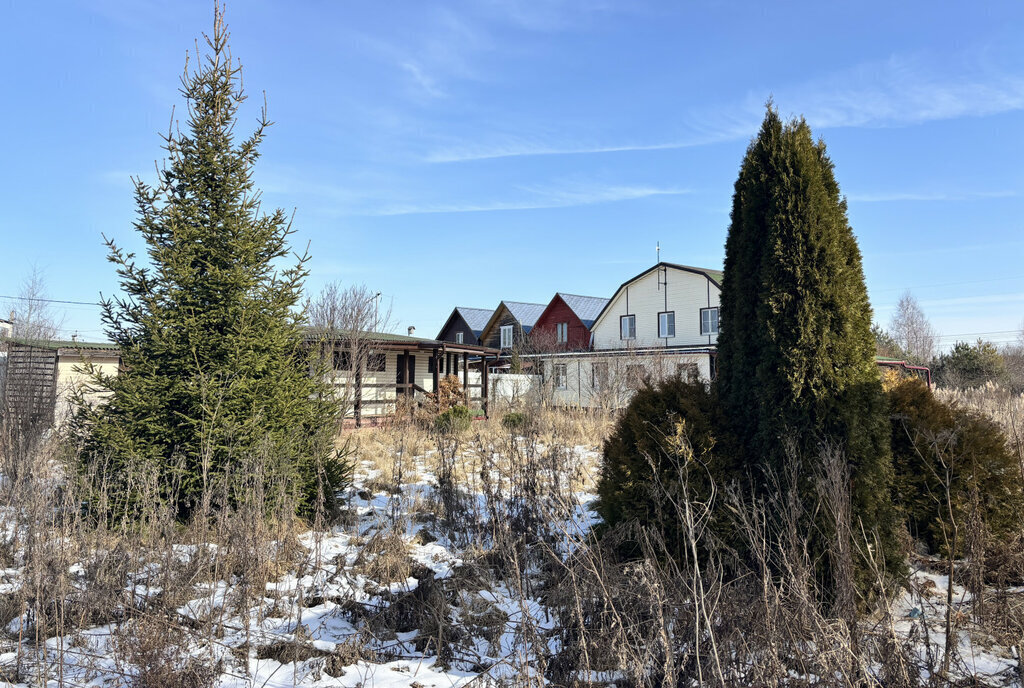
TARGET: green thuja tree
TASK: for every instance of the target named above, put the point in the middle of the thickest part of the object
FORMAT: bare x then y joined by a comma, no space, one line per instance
214,370
796,352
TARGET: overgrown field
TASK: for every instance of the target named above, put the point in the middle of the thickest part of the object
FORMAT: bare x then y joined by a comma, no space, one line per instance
465,558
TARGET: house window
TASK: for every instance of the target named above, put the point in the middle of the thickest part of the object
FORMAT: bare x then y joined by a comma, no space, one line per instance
342,360
635,375
688,371
562,331
458,338
627,327
599,375
560,376
506,336
708,321
376,362
667,324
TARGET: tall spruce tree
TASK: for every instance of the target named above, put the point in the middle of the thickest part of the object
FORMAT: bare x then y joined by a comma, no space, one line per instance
796,352
214,369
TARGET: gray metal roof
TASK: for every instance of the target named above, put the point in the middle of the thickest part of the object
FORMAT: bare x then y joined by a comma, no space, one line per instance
476,318
525,313
586,308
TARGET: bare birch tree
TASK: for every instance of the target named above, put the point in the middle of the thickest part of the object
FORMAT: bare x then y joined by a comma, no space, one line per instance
911,329
31,314
344,320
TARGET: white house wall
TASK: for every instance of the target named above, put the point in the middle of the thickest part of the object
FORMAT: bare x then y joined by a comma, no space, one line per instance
615,384
686,294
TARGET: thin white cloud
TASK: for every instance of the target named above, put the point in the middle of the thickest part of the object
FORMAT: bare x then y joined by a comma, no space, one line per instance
899,91
991,299
885,197
523,148
426,83
902,90
548,15
541,200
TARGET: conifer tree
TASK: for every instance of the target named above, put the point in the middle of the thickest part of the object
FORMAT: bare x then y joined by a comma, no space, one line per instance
796,352
214,364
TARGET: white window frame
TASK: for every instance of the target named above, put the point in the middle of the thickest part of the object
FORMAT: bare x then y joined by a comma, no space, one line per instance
506,336
560,376
666,324
562,332
706,329
458,338
625,334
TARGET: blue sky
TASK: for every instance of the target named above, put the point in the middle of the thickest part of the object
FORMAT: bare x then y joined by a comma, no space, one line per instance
461,153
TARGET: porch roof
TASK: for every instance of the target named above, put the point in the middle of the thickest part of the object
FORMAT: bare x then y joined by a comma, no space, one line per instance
386,341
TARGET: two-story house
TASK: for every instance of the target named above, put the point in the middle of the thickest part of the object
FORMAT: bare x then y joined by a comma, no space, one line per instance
661,322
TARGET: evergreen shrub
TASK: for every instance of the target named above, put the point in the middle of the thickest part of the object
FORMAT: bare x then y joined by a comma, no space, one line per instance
936,445
661,446
455,420
515,421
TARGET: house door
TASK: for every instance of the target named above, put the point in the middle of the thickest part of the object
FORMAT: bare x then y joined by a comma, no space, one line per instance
405,364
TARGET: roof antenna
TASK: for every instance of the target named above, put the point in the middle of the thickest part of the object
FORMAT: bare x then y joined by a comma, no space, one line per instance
658,249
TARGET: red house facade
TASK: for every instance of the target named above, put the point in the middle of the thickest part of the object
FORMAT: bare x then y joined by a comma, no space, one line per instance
565,323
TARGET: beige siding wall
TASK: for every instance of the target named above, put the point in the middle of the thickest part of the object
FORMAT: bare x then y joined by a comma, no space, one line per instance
73,378
686,293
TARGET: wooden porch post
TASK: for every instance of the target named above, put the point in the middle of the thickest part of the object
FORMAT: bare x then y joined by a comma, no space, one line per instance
485,390
406,376
465,375
437,376
359,393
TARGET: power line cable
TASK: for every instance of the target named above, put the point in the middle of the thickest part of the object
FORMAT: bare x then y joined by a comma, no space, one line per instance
95,304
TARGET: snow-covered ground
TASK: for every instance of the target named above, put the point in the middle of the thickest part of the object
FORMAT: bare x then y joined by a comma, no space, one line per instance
391,598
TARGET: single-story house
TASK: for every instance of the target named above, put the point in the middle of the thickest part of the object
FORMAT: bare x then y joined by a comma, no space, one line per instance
374,371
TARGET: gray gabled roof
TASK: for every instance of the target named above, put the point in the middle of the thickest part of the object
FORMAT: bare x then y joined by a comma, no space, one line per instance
586,308
525,313
476,318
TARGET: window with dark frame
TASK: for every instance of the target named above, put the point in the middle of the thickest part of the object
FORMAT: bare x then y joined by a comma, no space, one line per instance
560,376
376,362
666,324
342,360
636,374
627,327
708,321
688,371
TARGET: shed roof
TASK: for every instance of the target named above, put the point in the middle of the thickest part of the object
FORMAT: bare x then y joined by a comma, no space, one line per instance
64,344
390,340
586,308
